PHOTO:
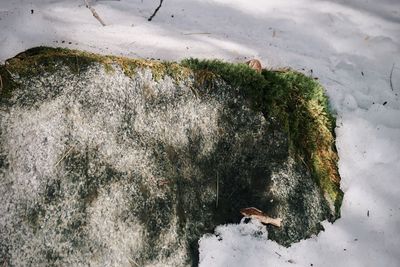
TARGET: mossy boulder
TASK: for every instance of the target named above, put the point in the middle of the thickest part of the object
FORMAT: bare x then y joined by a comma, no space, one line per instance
110,161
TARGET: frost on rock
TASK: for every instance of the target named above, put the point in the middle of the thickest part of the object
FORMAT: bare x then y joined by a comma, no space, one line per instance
103,169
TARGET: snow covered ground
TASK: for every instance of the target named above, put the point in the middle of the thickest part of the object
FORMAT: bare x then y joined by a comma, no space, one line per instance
353,47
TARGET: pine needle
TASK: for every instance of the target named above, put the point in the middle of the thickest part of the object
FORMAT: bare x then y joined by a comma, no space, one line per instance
64,156
390,77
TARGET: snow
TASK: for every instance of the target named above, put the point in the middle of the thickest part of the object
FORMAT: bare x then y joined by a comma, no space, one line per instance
351,46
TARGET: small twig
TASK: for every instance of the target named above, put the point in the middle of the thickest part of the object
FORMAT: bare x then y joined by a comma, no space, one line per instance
94,13
1,84
390,77
216,202
64,156
193,33
155,11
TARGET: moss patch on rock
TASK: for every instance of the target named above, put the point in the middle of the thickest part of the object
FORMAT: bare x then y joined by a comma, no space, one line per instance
148,156
47,59
301,108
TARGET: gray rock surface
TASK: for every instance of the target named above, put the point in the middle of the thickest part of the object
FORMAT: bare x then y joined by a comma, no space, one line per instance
103,169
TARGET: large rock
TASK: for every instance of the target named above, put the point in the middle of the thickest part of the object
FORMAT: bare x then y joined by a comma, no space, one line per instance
111,162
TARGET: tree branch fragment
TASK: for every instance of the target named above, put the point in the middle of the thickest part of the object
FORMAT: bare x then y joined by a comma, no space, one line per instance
155,11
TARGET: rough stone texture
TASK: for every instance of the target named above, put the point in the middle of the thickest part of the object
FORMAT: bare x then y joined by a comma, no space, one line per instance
103,169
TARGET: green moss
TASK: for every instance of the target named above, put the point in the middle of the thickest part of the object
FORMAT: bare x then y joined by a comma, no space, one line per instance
301,102
40,60
241,76
299,105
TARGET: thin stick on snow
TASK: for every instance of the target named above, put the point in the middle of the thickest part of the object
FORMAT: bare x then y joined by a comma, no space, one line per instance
155,11
390,77
1,83
94,13
194,33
